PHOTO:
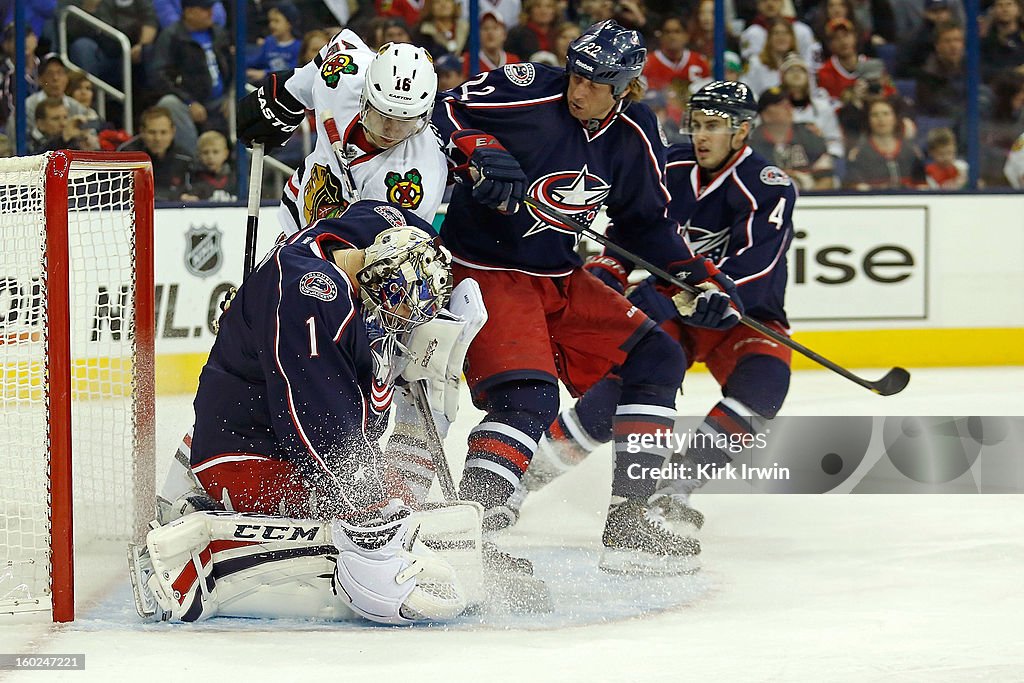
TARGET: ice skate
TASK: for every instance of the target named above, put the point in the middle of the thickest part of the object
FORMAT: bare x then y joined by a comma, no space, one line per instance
637,540
676,510
511,585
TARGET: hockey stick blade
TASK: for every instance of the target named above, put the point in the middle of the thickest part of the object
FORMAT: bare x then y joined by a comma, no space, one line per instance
893,382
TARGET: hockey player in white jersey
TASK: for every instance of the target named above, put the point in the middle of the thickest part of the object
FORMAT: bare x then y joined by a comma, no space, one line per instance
373,139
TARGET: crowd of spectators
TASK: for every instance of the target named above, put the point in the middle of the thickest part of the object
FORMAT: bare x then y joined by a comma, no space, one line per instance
857,94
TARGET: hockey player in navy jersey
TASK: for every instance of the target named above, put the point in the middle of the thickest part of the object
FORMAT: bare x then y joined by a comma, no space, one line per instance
290,406
575,140
737,210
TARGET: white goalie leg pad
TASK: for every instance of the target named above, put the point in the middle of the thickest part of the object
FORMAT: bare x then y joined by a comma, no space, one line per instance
242,565
182,581
387,574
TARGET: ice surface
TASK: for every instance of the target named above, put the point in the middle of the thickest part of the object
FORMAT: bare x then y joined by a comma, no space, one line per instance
794,588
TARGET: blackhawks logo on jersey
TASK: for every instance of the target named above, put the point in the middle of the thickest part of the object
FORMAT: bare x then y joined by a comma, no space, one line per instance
578,194
322,194
335,66
405,191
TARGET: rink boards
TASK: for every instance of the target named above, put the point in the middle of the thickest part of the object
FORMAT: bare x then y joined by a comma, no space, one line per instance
916,280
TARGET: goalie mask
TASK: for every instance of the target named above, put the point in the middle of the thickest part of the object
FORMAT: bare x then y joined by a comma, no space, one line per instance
406,279
398,95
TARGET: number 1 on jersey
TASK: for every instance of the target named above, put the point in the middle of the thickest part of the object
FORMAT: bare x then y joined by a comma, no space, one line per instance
313,350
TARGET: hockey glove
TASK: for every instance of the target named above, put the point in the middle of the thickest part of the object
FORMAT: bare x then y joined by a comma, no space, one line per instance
652,302
608,270
498,180
269,114
716,306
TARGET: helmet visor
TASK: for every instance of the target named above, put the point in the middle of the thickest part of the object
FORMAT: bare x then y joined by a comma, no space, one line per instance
709,121
390,130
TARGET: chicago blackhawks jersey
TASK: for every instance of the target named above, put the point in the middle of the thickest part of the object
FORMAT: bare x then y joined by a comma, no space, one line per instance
618,164
412,174
742,219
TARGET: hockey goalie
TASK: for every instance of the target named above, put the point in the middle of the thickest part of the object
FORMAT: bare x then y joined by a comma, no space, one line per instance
281,502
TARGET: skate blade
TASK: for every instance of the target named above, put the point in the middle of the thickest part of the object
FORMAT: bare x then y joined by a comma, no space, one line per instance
139,570
638,563
515,593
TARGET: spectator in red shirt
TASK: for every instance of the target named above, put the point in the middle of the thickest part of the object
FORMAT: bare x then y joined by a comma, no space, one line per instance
407,10
944,171
672,61
492,41
839,73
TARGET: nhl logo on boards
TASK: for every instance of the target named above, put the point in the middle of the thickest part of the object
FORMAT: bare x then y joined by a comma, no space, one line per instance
318,286
520,74
204,254
773,175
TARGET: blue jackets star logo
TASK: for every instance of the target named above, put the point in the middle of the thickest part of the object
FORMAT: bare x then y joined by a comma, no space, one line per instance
577,194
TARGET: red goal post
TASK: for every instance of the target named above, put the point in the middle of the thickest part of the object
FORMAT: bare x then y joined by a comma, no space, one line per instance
76,352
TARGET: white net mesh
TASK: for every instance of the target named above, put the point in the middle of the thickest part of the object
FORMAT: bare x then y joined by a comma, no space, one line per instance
106,471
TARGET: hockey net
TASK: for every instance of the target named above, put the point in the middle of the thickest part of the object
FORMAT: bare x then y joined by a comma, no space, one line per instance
76,368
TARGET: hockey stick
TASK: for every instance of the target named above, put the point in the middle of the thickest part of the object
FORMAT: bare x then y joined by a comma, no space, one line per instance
893,382
253,220
433,442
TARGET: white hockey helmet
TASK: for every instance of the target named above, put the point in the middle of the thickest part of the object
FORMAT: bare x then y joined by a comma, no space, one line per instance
406,279
398,95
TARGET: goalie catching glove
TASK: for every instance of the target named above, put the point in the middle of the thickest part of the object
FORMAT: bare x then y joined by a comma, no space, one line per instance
498,180
387,575
269,114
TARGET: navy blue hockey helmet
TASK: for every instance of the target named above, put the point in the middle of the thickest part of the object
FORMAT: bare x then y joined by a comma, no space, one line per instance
729,99
608,53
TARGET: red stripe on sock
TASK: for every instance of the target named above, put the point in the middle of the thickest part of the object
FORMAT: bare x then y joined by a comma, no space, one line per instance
494,447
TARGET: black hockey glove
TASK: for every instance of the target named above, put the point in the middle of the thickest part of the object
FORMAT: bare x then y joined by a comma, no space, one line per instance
269,114
647,297
717,306
608,270
498,181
